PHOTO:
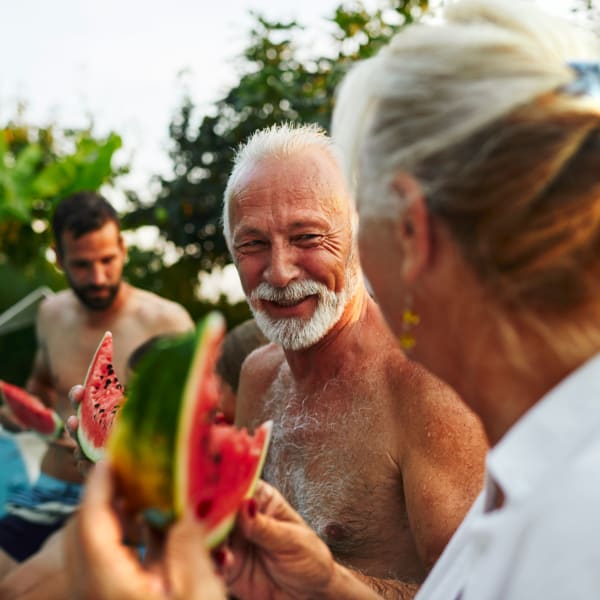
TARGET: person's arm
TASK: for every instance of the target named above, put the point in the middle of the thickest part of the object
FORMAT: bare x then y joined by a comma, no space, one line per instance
390,589
169,317
442,469
39,382
40,577
256,376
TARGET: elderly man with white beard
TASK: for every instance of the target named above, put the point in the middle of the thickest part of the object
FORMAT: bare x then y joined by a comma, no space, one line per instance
379,457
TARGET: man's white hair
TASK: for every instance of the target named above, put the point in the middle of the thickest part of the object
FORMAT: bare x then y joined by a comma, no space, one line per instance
279,141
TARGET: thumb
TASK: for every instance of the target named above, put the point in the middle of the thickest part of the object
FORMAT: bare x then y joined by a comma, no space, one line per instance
76,395
190,571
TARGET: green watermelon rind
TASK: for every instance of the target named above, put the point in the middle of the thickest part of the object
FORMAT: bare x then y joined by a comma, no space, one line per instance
218,534
149,438
212,329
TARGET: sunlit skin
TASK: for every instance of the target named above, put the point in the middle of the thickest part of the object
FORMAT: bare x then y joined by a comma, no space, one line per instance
282,231
71,323
379,262
291,221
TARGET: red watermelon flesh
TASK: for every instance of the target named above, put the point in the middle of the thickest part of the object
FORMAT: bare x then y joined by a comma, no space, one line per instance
101,402
30,411
219,470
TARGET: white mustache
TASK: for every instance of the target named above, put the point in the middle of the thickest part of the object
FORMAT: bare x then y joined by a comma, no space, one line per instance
293,292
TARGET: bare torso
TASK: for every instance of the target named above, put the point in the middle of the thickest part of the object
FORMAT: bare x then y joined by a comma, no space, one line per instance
353,452
68,336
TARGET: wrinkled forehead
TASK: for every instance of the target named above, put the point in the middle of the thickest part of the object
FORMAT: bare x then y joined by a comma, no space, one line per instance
310,182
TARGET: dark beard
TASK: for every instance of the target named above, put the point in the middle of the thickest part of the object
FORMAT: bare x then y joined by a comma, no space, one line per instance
94,302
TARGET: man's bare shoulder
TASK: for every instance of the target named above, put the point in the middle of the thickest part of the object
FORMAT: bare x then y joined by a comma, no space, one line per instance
262,365
54,308
259,371
429,402
161,312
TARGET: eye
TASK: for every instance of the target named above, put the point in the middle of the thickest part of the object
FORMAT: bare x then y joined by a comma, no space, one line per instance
250,246
308,239
79,264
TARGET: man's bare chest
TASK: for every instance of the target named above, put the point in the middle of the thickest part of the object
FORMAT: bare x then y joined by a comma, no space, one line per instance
337,469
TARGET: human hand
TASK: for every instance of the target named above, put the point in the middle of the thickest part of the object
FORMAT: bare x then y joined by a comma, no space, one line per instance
276,555
99,565
84,465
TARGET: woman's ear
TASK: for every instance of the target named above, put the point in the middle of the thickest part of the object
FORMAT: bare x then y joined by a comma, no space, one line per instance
413,230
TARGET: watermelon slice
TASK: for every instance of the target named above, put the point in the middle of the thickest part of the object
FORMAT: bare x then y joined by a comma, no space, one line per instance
30,412
217,466
169,454
102,399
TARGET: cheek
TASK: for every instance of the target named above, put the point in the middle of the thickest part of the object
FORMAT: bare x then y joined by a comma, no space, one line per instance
382,270
249,272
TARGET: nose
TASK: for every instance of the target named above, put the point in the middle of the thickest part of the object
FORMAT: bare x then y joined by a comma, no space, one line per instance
282,267
98,275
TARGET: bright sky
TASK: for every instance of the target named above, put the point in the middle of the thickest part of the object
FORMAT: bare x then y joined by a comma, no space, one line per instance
117,62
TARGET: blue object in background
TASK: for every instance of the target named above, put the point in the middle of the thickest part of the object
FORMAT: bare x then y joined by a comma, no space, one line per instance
12,466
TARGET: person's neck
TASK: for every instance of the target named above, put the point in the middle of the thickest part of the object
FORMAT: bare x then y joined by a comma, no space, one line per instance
501,390
329,354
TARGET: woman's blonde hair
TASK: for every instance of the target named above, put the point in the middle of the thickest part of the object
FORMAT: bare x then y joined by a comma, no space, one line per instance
477,108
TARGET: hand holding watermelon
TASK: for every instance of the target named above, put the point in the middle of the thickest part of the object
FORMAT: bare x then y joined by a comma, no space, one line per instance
277,555
97,561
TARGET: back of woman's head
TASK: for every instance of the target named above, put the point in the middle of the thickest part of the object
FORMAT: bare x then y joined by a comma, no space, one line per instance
481,109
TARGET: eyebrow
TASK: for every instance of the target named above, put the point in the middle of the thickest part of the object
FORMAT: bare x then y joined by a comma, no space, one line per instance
245,230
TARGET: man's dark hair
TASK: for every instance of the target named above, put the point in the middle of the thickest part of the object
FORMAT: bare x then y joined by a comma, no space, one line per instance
238,343
81,213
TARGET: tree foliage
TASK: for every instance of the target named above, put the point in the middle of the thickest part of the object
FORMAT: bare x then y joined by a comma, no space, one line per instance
38,166
276,85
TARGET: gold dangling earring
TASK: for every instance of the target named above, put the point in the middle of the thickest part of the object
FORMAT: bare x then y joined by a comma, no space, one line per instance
410,319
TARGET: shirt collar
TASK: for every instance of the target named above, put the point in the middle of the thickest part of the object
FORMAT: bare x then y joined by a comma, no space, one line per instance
548,433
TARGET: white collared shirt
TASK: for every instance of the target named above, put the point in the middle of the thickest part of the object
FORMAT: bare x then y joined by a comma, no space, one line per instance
545,540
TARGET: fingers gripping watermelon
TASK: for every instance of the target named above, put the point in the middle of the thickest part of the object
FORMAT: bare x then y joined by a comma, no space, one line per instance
30,411
102,399
168,453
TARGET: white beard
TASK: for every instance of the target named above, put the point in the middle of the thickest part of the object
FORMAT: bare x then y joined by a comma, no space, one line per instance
295,333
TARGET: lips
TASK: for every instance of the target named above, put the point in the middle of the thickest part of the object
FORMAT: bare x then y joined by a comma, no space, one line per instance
286,303
281,309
